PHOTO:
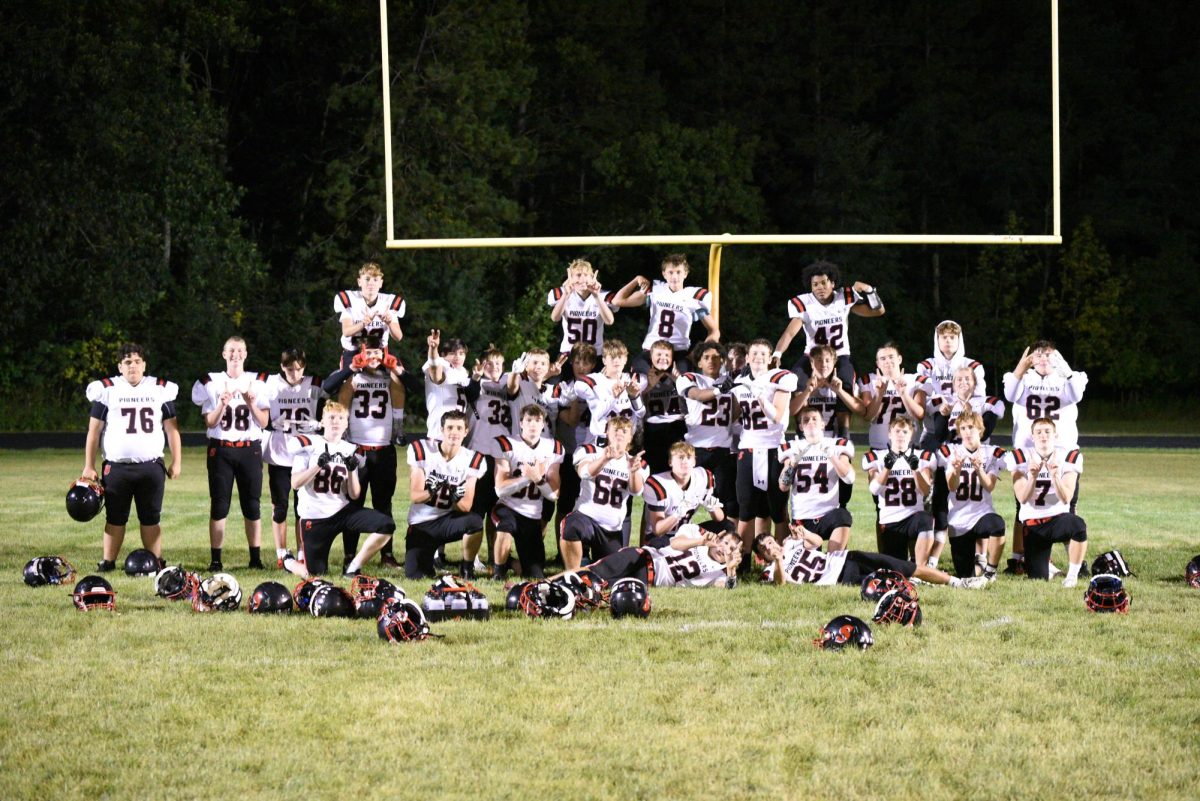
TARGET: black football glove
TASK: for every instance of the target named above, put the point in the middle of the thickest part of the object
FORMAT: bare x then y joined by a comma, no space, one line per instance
432,485
912,460
889,461
787,475
351,462
458,491
324,459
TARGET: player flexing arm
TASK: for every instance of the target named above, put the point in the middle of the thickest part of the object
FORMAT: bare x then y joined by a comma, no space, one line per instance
673,309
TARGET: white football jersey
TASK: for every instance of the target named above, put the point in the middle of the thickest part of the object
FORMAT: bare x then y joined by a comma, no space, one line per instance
663,493
709,423
548,396
978,404
1053,396
900,498
581,318
825,400
492,410
757,430
970,501
370,408
1045,501
602,497
526,500
891,408
596,390
690,568
133,416
800,565
672,314
815,484
662,402
289,404
328,492
825,324
236,423
426,454
441,398
351,307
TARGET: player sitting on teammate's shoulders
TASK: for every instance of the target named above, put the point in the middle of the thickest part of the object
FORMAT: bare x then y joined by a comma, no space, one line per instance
583,307
673,309
663,424
823,313
674,496
611,392
441,487
936,374
527,472
130,412
1044,479
609,476
889,393
446,380
692,558
971,468
900,478
367,310
814,466
1042,385
325,474
826,393
711,414
793,562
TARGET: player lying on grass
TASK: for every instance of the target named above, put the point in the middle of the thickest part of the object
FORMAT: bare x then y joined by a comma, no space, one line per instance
693,558
325,474
793,562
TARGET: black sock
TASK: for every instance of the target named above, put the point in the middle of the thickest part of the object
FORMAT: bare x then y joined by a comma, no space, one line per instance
255,555
216,554
499,571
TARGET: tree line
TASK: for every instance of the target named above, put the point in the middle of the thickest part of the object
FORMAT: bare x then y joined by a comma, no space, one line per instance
173,172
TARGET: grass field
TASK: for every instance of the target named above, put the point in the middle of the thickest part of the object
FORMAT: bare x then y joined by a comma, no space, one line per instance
1014,692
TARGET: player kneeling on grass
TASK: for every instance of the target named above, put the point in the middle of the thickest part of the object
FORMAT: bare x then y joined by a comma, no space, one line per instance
526,474
441,486
793,562
673,497
971,472
900,478
325,474
693,558
1044,479
814,467
608,477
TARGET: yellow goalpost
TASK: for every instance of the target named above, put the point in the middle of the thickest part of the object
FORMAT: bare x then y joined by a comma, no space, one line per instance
717,241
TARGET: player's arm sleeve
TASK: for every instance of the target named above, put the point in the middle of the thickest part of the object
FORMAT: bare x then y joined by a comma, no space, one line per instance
1013,388
98,410
1076,384
200,396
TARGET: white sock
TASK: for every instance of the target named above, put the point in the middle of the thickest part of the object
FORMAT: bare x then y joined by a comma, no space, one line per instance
933,560
1073,570
356,562
280,553
955,581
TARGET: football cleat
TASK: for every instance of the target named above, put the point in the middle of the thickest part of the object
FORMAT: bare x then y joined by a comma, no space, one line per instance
879,582
548,599
451,598
329,600
45,571
402,621
141,562
270,596
93,592
629,596
1106,593
1191,573
219,592
175,584
845,631
1112,563
85,499
897,606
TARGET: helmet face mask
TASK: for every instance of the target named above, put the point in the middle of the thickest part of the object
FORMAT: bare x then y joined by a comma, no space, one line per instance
629,597
1106,593
93,592
175,584
881,581
845,631
85,499
217,593
402,621
548,599
897,606
588,594
1192,572
45,571
372,595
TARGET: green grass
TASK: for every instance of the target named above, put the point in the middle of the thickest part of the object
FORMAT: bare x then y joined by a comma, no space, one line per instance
1014,692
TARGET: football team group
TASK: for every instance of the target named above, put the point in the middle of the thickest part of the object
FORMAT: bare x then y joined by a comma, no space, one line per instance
691,429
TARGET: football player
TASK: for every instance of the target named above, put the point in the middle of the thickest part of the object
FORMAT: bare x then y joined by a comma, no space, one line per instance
1053,390
674,496
293,398
582,306
527,472
814,467
609,477
236,408
900,478
446,380
711,415
936,374
971,469
692,558
1044,480
367,310
673,309
441,485
609,393
573,429
325,474
794,562
826,392
823,313
764,399
129,414
888,393
663,425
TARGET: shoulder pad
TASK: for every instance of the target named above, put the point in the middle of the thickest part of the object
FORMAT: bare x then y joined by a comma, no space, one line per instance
204,379
476,461
660,491
1018,455
870,456
344,298
418,449
998,453
928,365
1073,456
397,302
797,304
974,364
841,441
700,293
927,455
587,379
944,450
504,444
848,294
558,448
261,377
